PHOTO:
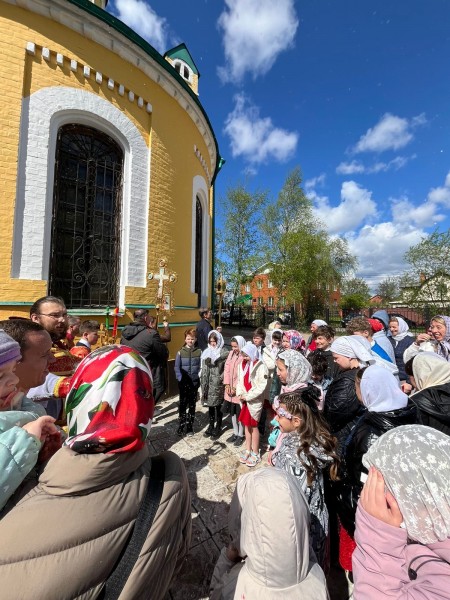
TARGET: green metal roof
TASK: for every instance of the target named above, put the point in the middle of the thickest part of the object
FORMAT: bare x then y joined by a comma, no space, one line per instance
131,35
183,53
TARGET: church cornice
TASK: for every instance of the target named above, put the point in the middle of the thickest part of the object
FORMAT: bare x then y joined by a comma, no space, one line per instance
84,17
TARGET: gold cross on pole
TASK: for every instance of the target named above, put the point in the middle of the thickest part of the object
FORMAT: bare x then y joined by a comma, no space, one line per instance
162,277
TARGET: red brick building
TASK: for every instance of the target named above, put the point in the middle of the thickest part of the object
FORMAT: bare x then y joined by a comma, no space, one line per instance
264,293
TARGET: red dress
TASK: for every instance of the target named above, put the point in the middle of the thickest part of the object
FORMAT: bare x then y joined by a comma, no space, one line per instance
245,417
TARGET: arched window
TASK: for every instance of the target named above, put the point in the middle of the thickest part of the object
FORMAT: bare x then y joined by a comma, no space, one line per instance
183,69
85,245
198,249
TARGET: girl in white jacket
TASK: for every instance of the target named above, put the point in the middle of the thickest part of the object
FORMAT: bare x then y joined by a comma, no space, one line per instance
252,381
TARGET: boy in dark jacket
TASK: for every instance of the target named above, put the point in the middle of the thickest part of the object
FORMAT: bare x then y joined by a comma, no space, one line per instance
187,368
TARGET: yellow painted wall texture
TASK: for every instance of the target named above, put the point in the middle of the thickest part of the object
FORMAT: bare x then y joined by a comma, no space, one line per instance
169,131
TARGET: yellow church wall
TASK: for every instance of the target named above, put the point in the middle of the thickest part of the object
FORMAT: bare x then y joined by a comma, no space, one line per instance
168,130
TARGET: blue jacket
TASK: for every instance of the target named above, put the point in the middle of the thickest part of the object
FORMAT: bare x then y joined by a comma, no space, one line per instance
18,451
187,364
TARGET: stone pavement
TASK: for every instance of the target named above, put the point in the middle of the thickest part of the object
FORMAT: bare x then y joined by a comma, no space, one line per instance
212,467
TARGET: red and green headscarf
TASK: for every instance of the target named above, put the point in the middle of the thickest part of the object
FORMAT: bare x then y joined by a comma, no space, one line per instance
110,403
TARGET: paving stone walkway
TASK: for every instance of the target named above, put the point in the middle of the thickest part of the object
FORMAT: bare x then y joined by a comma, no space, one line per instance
213,468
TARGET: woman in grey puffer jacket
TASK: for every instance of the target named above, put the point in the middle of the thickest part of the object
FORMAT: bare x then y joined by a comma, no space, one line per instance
211,380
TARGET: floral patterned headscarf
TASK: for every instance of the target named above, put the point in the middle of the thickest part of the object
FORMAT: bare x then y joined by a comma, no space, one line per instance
110,403
298,370
295,339
415,463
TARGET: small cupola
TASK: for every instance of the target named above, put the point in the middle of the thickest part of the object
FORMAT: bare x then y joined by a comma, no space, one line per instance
182,61
100,3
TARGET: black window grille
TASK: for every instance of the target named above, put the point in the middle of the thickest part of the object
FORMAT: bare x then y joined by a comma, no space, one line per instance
85,247
198,249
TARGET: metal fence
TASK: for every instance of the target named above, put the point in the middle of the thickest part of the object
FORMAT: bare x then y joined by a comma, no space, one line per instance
417,318
258,316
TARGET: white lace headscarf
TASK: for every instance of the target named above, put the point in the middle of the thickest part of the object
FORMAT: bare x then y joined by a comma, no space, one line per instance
430,369
415,463
213,352
380,391
298,370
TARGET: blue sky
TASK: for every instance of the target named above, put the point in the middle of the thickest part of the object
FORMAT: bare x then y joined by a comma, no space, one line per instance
357,93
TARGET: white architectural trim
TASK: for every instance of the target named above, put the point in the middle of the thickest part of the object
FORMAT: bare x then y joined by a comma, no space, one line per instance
93,28
42,115
200,190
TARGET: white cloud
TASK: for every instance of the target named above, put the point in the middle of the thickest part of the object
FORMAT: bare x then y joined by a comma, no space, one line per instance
423,215
255,32
426,214
380,249
351,168
356,205
138,15
441,195
390,133
345,168
318,181
255,138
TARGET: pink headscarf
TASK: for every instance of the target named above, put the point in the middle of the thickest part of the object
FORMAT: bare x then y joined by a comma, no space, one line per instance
295,338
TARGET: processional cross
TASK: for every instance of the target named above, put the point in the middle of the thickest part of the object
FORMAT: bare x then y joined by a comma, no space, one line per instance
162,277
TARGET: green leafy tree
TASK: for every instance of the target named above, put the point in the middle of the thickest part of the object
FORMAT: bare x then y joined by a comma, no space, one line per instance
238,247
308,263
431,256
355,285
427,280
389,289
352,302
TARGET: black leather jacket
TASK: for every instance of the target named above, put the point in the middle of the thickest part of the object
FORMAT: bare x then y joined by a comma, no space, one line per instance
367,430
342,407
434,407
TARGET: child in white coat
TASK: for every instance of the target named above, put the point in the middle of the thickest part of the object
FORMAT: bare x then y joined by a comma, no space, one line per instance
252,381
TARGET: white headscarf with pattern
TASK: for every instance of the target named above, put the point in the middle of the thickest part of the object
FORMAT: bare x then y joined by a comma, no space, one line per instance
415,463
298,370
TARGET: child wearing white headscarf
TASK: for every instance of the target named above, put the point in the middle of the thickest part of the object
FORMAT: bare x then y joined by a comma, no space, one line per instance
342,407
211,378
403,517
387,407
230,379
252,381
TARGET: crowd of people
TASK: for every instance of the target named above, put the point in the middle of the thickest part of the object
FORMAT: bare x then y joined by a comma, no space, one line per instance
356,429
339,407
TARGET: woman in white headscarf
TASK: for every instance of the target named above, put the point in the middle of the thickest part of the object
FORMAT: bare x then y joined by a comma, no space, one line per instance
387,407
430,376
342,407
211,379
269,555
401,339
403,517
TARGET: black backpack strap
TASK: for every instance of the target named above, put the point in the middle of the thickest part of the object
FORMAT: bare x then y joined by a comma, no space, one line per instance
116,581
